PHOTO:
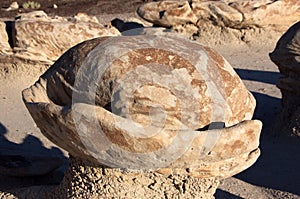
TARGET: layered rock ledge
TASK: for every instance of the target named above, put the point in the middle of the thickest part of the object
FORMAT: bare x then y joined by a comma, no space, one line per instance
212,22
286,56
35,36
234,14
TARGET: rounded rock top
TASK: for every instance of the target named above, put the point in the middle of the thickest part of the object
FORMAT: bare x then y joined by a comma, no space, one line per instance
147,102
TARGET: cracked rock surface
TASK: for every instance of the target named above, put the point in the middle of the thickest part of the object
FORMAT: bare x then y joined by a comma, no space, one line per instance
86,181
233,14
140,80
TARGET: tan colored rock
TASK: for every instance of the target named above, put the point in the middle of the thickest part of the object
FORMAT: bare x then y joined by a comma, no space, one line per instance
234,14
13,6
148,103
85,17
83,180
38,15
5,48
41,38
167,13
286,56
278,15
217,12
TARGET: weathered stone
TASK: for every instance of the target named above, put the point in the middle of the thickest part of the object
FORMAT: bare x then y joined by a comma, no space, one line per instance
81,16
13,6
286,56
217,12
84,180
278,15
167,13
152,102
5,48
234,14
41,38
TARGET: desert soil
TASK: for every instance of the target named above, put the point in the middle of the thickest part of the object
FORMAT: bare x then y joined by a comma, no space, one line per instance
274,175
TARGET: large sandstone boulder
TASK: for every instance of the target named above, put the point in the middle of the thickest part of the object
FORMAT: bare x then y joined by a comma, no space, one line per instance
286,56
39,37
234,14
148,103
5,48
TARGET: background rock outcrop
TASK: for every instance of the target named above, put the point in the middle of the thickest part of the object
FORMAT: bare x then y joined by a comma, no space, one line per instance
5,48
233,14
286,56
41,38
193,17
148,103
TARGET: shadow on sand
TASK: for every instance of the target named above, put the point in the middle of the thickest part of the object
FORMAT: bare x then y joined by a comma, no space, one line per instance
29,163
278,166
225,195
279,163
269,77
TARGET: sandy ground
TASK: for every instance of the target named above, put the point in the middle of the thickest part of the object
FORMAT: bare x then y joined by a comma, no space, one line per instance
274,175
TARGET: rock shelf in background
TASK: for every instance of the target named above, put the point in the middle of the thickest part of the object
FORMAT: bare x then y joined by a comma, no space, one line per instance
42,38
83,180
276,15
39,38
214,22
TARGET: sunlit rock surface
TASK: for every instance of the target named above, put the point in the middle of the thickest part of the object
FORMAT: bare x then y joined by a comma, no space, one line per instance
38,37
277,15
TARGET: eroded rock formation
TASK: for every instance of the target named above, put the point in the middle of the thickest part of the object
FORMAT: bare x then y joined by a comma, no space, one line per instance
235,14
89,181
148,103
5,48
277,15
286,56
39,37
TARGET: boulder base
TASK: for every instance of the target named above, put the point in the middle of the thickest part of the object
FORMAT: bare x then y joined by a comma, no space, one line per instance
83,180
